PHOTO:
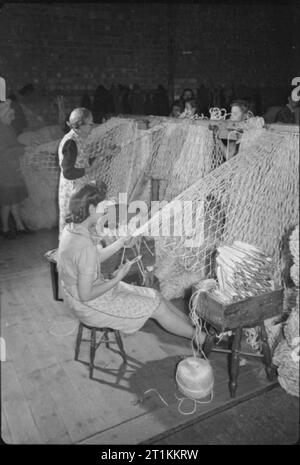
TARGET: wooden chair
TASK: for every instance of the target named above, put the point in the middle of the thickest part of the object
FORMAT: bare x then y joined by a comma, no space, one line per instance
51,256
235,317
104,339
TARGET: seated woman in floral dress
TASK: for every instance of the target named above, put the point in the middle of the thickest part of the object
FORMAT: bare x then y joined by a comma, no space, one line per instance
108,303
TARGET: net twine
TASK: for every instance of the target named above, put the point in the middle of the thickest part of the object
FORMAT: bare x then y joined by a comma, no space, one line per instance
252,198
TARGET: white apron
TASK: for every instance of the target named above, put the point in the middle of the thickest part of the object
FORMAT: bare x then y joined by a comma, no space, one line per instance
67,186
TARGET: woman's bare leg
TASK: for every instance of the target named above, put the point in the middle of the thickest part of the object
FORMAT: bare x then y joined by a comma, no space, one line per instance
17,217
5,210
171,322
176,310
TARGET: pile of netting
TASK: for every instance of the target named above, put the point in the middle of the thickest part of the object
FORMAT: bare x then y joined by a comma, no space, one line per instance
40,171
286,356
251,198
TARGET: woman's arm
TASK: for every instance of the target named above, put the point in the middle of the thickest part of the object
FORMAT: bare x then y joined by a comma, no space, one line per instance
68,164
111,249
88,291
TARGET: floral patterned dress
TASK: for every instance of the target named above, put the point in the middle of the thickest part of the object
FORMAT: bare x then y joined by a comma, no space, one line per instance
125,307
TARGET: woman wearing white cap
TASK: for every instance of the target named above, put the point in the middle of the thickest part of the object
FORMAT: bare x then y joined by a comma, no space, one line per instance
73,163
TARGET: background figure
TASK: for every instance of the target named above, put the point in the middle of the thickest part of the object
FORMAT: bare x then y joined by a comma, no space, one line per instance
288,114
115,92
256,104
86,102
27,93
204,100
160,101
33,111
125,100
239,110
239,113
187,94
12,187
102,104
176,109
137,100
148,107
19,122
190,109
226,97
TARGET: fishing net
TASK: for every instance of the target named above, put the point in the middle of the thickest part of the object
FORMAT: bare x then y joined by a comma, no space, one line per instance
286,355
175,154
40,171
251,198
287,361
294,248
114,147
31,139
181,154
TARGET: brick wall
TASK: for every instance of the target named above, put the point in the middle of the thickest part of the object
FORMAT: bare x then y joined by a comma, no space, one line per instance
246,46
71,48
77,46
226,43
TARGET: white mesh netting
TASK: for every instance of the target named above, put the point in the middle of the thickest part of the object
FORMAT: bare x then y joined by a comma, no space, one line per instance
39,167
286,355
251,198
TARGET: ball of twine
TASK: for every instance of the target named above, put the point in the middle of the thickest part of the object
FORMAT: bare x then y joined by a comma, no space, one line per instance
195,377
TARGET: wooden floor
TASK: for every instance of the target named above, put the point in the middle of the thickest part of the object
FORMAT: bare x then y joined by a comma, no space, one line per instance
48,398
271,418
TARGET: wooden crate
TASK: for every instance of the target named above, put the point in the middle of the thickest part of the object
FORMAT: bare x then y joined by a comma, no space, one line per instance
244,313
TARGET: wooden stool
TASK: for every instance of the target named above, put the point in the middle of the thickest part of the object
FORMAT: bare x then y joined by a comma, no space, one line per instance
51,256
94,344
235,317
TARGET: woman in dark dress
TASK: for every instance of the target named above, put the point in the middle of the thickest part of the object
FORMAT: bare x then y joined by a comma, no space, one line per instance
12,187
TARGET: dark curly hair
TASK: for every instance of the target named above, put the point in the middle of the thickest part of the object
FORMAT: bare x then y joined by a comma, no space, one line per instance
81,199
242,104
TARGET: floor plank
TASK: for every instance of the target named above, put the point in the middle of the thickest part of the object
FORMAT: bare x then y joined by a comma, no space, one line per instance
271,418
6,434
19,416
44,409
165,418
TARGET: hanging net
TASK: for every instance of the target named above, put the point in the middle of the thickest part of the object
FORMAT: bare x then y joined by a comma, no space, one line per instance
176,154
181,154
251,198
